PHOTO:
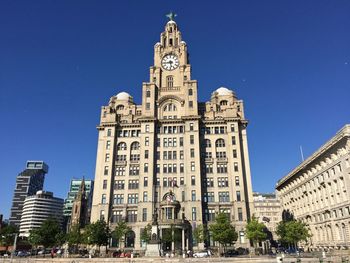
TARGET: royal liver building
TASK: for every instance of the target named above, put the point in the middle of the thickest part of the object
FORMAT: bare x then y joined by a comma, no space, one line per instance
172,162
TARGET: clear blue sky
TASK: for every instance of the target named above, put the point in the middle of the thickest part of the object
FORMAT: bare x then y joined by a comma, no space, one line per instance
60,61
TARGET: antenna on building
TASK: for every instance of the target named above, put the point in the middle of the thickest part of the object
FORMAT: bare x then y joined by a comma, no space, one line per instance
302,154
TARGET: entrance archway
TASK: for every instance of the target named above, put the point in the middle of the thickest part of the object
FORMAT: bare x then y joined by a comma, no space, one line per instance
130,239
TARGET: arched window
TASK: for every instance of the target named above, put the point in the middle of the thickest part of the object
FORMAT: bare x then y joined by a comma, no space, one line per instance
190,92
121,146
135,146
223,102
220,143
207,143
170,107
169,81
120,107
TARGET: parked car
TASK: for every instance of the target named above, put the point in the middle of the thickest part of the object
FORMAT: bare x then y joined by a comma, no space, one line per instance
242,251
230,253
22,254
203,254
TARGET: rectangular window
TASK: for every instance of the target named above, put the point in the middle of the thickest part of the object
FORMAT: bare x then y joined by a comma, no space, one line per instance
105,171
131,216
117,216
174,155
181,155
181,141
147,128
193,180
165,155
146,154
135,157
210,197
102,215
234,153
224,197
193,168
236,167
134,170
165,142
144,214
145,181
145,196
221,168
191,139
158,168
165,182
118,199
237,180
233,140
232,127
165,169
107,157
192,153
108,145
146,141
170,170
145,168
120,170
158,181
103,199
193,195
210,182
191,126
240,214
222,182
174,142
121,158
183,196
174,168
133,198
238,195
119,185
104,184
148,106
182,168
194,214
133,184
211,215
220,155
109,132
190,104
182,181
209,168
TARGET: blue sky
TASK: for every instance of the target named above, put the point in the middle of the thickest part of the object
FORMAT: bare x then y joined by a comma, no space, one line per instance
60,61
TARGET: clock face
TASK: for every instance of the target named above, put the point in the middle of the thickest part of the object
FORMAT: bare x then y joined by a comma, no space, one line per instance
170,62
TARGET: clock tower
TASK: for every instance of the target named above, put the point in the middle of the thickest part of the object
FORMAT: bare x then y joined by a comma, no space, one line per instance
170,76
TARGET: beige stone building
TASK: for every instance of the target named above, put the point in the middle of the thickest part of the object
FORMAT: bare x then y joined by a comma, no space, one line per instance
317,192
172,160
267,209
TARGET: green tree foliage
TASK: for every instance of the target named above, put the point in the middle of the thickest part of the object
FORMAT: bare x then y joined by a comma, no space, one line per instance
146,233
222,231
292,232
120,231
199,234
49,234
255,231
97,233
7,235
171,234
74,237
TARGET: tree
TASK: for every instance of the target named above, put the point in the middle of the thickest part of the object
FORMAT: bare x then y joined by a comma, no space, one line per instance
292,232
74,237
255,231
48,234
120,231
7,235
199,234
146,233
222,231
97,233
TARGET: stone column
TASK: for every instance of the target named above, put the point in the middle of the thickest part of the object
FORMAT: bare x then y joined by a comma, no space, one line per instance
172,242
183,240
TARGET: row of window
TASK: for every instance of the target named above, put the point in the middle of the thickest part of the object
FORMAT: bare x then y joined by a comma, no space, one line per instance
220,168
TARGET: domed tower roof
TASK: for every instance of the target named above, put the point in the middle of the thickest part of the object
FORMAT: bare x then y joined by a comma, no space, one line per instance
222,91
124,96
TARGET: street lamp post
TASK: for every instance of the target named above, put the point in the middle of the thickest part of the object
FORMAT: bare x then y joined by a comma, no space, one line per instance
14,247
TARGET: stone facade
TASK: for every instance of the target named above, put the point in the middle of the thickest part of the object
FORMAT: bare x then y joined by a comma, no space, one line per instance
317,192
267,209
172,160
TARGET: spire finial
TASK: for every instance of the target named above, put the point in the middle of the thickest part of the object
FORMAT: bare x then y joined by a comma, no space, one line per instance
171,16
